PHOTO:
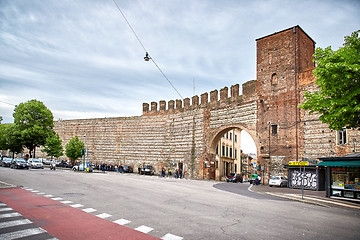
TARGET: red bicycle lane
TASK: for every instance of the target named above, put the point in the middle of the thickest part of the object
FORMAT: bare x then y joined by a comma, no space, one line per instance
63,221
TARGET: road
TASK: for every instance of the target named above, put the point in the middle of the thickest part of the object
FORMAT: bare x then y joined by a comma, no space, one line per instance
190,209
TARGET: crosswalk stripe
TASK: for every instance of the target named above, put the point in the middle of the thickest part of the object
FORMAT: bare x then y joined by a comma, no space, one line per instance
14,223
66,202
5,209
8,215
2,204
21,233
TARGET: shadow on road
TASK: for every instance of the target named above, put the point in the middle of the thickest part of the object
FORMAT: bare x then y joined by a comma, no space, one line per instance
243,189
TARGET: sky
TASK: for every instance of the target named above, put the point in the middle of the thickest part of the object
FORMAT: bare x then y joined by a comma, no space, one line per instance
82,60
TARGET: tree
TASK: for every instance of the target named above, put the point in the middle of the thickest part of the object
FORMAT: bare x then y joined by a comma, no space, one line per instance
35,123
73,149
13,139
53,146
338,77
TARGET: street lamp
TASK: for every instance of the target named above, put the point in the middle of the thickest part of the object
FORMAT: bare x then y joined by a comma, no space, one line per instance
84,152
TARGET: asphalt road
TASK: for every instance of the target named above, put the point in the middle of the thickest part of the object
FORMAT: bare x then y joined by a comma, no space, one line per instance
191,209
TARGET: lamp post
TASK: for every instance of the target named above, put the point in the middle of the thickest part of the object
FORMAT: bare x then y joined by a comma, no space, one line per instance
84,152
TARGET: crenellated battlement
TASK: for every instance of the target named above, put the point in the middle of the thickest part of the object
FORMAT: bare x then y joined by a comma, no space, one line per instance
248,92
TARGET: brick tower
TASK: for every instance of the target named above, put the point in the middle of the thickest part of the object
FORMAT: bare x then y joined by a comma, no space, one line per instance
281,58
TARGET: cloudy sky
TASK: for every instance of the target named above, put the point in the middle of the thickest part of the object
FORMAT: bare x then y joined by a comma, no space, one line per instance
83,61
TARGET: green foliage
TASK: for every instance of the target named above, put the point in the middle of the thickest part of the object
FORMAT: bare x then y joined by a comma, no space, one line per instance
35,123
13,139
73,149
3,128
53,146
338,77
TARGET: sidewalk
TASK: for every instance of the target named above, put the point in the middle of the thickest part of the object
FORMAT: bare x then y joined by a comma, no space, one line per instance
311,197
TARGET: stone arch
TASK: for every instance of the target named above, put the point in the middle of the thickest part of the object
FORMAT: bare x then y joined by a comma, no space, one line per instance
228,164
219,132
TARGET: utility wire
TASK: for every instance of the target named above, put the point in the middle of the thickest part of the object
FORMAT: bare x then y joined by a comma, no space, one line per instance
142,45
8,103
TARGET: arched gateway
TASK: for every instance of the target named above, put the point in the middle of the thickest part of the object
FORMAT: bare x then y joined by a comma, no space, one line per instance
184,134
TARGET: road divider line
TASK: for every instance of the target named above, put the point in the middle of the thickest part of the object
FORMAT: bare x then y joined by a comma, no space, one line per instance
122,221
170,236
89,210
103,215
76,205
144,229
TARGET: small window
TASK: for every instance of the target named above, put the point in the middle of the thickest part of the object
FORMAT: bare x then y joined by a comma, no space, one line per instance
274,79
342,136
227,151
231,152
230,136
223,150
217,150
235,137
235,153
274,129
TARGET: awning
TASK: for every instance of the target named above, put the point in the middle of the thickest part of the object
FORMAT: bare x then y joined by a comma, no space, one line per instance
339,164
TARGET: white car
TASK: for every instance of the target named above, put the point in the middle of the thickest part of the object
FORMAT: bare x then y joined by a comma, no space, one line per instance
279,181
35,163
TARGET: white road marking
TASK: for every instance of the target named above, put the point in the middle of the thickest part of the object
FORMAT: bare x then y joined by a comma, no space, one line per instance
66,202
89,210
122,221
170,236
14,223
7,215
76,205
35,191
57,198
49,195
144,229
22,233
103,215
41,193
5,209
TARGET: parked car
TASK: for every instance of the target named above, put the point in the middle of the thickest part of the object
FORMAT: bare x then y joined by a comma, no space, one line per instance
80,167
234,177
6,162
64,164
35,163
147,170
128,169
19,163
279,181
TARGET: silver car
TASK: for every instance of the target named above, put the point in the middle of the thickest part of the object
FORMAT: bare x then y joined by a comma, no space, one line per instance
35,163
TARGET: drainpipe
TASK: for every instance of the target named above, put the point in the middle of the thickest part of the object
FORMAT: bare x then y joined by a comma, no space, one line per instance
296,98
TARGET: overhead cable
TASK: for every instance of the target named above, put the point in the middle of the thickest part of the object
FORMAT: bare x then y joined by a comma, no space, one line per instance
142,45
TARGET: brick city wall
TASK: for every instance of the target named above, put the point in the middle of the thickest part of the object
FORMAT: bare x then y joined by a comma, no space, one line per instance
173,132
164,137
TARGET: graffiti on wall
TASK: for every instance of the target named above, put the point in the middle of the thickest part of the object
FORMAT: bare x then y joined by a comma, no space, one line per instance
309,179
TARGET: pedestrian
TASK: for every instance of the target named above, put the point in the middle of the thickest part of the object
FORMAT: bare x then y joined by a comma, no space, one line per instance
163,172
176,174
169,172
259,183
181,173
